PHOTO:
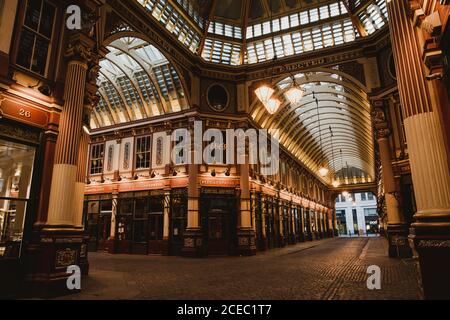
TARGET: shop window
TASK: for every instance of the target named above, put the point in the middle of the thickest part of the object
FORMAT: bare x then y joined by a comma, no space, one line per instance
143,148
178,209
36,35
97,157
16,170
156,218
125,218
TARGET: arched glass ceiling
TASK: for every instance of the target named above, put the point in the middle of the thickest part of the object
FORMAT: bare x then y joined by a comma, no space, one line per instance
236,32
343,107
136,82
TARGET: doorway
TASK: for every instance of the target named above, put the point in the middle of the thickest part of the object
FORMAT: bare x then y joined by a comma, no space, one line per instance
219,222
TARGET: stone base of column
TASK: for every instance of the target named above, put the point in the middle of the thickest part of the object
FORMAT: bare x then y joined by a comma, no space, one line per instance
315,235
158,247
50,252
262,244
281,241
193,244
398,241
431,243
330,234
292,239
246,242
110,246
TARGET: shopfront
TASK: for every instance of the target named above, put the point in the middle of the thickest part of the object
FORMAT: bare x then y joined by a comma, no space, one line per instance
219,220
134,222
98,212
19,186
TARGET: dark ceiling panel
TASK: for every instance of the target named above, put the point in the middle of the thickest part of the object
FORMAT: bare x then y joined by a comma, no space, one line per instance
229,9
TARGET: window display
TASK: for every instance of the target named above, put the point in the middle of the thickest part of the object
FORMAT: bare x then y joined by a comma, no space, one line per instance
16,170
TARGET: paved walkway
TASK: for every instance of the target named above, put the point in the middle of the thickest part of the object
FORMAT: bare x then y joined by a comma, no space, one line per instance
328,269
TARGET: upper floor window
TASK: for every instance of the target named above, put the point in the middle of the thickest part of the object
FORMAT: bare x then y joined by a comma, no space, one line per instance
37,31
143,148
96,159
370,196
363,196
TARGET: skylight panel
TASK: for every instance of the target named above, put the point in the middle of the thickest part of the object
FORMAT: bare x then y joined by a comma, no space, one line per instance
170,18
221,52
319,37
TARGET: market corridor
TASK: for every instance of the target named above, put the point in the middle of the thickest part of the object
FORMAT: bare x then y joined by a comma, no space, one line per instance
328,269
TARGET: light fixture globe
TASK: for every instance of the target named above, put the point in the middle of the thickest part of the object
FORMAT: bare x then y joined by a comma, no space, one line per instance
264,93
336,183
272,105
345,194
294,95
323,171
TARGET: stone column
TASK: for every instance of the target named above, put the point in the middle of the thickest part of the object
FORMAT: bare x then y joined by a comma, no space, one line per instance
61,210
397,229
61,239
166,225
245,234
302,224
80,183
293,238
263,221
309,230
430,233
282,239
90,101
193,237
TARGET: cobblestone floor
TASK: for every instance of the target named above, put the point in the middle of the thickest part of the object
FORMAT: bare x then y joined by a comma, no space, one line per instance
328,269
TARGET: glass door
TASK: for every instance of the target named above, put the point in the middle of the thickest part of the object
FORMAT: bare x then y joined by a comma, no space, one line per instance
16,171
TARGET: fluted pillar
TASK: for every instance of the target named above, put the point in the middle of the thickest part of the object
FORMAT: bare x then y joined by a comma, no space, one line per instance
430,232
61,206
397,229
193,237
245,234
60,241
80,182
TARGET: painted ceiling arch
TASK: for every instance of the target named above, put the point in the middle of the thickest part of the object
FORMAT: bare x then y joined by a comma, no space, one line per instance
343,112
136,81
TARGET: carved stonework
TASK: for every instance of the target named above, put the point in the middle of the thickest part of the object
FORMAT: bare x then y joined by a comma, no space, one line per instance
77,51
380,123
65,257
433,244
19,133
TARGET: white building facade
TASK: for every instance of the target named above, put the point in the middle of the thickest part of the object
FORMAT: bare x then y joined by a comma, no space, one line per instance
357,214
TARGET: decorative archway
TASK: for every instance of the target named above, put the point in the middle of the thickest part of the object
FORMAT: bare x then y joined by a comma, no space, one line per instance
136,81
343,107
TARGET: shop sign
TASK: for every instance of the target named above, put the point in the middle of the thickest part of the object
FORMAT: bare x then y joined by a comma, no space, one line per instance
218,182
24,113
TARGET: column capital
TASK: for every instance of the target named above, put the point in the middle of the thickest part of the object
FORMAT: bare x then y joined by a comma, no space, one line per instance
380,122
80,48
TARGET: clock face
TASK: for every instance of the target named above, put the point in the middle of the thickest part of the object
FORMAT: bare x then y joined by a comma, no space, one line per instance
217,97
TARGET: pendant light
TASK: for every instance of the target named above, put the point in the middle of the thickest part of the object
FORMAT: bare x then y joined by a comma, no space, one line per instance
265,92
335,182
323,170
272,105
295,93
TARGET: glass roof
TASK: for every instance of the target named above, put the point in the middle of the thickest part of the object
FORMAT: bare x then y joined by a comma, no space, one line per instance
136,82
343,113
236,32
